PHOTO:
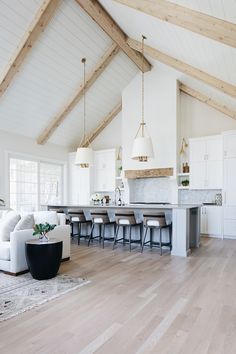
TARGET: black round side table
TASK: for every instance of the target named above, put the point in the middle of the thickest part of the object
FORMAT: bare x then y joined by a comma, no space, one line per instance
43,258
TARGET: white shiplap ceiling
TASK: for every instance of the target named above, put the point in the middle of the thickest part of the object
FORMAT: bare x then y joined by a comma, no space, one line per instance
52,71
208,55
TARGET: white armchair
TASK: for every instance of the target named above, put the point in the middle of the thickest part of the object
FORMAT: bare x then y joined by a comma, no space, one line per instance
12,253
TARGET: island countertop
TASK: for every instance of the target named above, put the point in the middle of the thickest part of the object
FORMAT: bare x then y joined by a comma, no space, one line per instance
126,206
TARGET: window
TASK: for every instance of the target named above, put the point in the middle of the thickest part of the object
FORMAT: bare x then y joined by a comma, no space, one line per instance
34,184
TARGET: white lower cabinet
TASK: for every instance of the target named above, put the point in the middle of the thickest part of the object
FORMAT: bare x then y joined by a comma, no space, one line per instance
211,220
230,222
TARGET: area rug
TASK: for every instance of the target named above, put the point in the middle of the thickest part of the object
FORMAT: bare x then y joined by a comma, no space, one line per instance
22,293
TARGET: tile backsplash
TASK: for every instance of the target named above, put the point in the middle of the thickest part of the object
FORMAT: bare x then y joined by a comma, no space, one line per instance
197,196
150,190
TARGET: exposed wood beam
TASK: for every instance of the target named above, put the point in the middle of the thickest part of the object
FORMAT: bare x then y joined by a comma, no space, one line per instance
205,25
67,108
41,19
104,123
96,11
205,99
185,68
149,173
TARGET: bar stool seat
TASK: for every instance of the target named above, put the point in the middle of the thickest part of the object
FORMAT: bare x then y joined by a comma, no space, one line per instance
102,219
77,217
127,220
157,221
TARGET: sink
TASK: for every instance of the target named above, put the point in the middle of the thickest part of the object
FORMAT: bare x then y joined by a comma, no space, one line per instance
209,203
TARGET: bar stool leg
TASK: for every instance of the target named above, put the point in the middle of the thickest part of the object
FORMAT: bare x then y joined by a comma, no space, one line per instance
170,233
124,228
117,231
161,240
130,231
151,237
144,238
79,232
91,234
141,233
103,235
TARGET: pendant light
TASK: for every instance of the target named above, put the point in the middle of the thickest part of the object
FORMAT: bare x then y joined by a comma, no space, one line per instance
84,155
142,145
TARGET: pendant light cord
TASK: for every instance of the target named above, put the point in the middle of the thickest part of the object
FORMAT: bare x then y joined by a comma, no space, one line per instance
143,124
84,61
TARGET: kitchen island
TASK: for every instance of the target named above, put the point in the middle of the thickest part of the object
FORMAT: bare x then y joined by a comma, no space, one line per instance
185,220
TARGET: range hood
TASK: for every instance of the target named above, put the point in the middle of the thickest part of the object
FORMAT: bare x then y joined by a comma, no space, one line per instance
149,173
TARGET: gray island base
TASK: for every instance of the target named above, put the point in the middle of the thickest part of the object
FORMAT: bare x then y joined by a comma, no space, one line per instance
185,221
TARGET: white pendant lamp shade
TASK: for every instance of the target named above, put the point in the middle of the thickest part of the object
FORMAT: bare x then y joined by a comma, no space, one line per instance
142,148
84,157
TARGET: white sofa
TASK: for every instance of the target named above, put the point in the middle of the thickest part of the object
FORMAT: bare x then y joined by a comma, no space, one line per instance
12,253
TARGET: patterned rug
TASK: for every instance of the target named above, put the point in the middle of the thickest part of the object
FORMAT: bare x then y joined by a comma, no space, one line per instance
22,293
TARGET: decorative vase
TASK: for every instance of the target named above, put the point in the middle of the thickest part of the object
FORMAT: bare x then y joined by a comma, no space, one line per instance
43,238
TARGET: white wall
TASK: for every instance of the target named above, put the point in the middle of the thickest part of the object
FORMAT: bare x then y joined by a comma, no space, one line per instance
160,116
198,119
110,137
22,145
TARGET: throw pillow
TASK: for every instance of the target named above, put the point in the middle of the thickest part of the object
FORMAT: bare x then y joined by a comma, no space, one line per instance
8,224
46,216
26,222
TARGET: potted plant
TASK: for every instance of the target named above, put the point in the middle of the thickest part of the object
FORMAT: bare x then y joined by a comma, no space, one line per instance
42,230
185,183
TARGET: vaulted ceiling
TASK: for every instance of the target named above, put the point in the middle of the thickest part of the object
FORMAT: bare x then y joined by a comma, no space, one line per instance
52,71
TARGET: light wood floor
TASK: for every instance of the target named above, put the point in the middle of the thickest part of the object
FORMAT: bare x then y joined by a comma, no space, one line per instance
136,303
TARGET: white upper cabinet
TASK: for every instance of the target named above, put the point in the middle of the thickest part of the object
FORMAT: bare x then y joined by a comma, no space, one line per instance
229,145
206,169
104,170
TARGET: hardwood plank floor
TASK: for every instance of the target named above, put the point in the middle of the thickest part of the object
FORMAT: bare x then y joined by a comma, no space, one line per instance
136,303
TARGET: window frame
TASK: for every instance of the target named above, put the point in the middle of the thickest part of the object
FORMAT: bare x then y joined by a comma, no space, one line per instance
38,160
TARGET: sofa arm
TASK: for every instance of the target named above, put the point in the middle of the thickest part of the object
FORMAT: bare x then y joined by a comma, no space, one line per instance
17,250
62,233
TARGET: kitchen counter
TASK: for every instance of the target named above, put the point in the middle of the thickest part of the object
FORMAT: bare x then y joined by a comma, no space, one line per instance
127,206
185,221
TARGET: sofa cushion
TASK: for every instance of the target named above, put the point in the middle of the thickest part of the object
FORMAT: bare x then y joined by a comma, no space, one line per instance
46,216
5,251
26,222
8,224
3,214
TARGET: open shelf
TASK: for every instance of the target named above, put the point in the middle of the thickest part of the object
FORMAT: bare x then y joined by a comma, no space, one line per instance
183,174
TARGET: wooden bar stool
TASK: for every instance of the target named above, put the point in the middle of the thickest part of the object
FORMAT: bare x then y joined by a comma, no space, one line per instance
127,221
77,217
157,221
102,219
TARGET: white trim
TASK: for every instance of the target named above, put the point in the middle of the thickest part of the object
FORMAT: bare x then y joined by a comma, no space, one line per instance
38,159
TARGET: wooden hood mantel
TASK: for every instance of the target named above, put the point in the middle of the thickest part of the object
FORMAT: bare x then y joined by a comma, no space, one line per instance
149,173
